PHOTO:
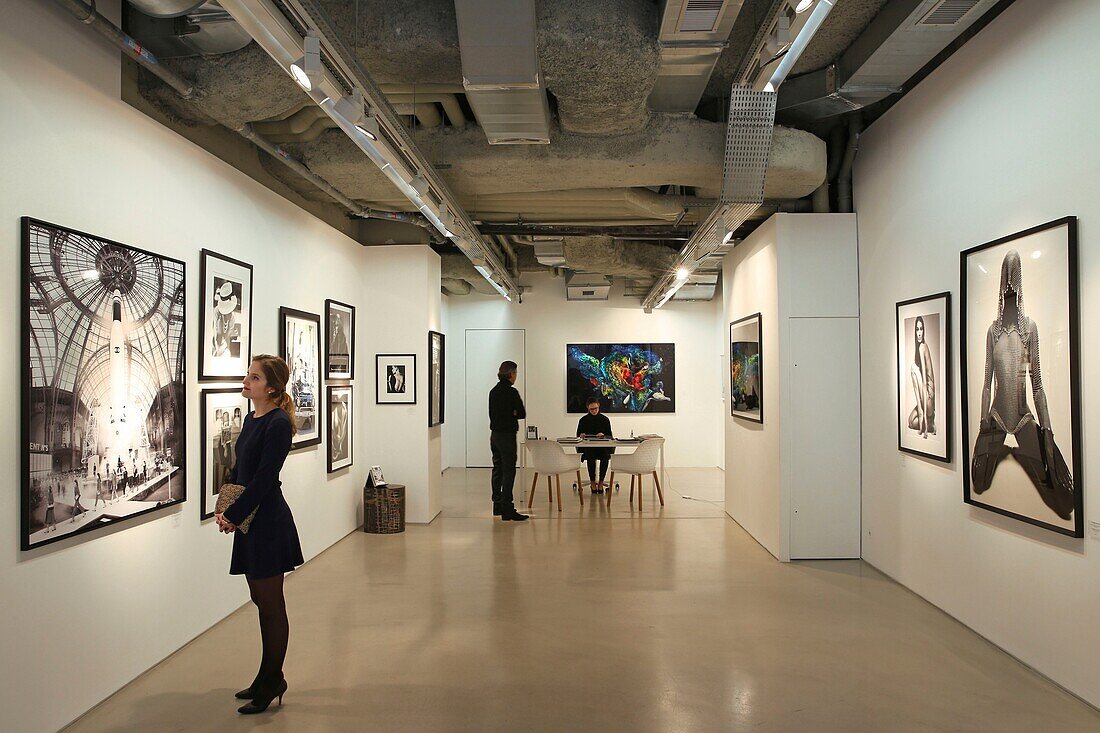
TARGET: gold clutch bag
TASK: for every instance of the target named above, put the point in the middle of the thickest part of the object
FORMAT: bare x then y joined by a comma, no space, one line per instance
228,494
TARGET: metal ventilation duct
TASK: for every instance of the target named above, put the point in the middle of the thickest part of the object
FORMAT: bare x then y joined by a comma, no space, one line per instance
586,286
206,30
500,70
166,8
692,36
904,37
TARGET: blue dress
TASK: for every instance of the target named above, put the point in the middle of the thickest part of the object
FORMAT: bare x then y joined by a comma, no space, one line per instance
271,546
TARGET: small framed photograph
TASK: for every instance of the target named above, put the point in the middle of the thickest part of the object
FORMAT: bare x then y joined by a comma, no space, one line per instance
395,379
923,340
340,426
340,339
300,347
225,318
223,414
376,477
437,375
532,432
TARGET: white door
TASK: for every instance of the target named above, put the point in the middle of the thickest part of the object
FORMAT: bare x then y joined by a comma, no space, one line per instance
825,478
486,348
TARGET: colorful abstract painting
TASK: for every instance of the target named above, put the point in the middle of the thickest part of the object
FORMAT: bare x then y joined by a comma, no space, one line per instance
746,377
624,377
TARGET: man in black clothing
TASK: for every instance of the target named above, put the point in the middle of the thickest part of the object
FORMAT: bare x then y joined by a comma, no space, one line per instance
505,411
595,425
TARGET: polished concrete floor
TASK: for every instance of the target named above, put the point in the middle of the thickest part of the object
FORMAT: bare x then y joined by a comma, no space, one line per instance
672,620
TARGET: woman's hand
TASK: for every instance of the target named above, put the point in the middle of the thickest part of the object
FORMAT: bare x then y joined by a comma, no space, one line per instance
599,435
224,525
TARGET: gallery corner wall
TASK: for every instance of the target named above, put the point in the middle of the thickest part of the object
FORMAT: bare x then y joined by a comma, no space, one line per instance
82,617
793,481
989,144
550,322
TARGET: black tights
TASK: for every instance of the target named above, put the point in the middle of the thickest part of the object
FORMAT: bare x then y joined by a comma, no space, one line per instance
267,594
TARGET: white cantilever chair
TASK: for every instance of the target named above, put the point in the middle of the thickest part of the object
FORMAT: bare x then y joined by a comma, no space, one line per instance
548,459
640,463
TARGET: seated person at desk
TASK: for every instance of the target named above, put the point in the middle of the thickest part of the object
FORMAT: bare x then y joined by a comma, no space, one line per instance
595,425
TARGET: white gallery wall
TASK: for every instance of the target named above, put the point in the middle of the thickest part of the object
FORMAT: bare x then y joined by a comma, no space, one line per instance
551,322
999,139
82,617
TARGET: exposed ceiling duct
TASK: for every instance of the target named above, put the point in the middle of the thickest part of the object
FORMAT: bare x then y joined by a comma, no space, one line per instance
903,38
201,29
166,8
500,70
587,286
692,36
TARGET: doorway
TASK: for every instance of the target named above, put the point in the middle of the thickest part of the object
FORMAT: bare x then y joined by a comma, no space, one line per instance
486,348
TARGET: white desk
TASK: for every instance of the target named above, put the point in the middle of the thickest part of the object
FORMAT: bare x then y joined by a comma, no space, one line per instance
631,445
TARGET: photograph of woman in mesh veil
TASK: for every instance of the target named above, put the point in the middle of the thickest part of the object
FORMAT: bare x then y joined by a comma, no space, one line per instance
1012,374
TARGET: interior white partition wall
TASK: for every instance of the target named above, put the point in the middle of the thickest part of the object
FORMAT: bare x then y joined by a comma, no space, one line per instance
551,322
793,481
82,617
998,139
402,300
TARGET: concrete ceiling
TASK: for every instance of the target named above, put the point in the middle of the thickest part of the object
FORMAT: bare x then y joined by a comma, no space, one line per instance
611,160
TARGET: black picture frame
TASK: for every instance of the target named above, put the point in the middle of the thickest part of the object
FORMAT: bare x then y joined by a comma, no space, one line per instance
311,415
330,322
208,498
42,290
944,380
758,417
587,376
334,441
1069,367
207,373
437,377
381,378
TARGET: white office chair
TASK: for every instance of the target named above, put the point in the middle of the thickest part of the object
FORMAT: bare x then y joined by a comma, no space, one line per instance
641,462
548,459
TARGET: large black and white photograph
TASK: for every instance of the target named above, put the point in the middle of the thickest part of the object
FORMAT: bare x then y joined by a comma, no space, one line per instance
300,347
395,379
436,376
1020,384
746,376
225,318
339,340
340,424
923,339
223,413
103,383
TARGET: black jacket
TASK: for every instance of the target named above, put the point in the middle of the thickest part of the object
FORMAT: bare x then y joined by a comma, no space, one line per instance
505,407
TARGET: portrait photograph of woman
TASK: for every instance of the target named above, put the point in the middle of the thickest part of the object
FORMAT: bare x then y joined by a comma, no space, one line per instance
923,366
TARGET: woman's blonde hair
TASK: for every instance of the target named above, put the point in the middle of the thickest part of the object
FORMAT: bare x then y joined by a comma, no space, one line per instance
277,374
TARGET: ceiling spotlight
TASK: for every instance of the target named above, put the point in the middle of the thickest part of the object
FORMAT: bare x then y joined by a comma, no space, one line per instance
803,6
369,126
682,274
769,87
308,67
728,235
448,221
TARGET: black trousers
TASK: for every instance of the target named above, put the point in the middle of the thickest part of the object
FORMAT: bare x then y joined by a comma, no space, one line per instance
503,444
591,456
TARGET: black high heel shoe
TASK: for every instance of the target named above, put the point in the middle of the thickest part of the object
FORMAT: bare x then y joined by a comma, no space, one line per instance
263,699
245,694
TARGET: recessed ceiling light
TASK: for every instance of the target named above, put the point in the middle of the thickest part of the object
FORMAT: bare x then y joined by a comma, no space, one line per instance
1036,255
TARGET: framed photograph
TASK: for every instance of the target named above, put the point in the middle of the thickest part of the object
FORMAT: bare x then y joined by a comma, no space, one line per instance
223,413
340,425
746,374
103,398
436,375
376,477
225,318
300,347
340,339
395,379
923,343
623,377
1020,377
